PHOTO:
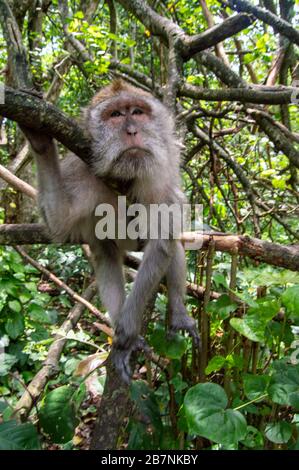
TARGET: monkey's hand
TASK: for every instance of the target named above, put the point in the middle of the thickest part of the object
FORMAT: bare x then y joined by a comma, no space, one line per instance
122,351
182,321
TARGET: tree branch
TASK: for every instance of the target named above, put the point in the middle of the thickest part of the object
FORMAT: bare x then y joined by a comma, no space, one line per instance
30,111
18,66
215,35
17,183
261,250
64,286
260,95
278,24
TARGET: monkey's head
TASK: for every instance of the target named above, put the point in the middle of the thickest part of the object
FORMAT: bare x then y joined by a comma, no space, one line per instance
132,133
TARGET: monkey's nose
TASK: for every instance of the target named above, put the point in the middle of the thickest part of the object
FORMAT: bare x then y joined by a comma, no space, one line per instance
131,130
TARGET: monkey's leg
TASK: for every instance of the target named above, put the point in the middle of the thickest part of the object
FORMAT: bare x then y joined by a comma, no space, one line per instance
108,260
176,284
153,267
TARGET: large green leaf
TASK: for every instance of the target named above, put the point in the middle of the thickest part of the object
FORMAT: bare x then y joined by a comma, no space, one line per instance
280,432
14,325
255,385
251,328
57,415
284,386
6,363
15,436
222,307
15,306
215,364
253,325
143,396
39,314
173,347
265,309
290,299
207,416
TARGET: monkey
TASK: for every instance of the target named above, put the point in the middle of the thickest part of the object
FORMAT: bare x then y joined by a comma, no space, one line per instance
136,153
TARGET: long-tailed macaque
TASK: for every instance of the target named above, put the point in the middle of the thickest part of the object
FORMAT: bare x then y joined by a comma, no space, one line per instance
134,150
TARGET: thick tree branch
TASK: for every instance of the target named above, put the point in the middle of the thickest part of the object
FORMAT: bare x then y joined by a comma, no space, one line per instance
30,111
261,250
278,24
168,30
260,95
215,35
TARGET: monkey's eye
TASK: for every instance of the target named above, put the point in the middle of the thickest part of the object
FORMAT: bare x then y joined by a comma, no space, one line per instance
115,114
137,111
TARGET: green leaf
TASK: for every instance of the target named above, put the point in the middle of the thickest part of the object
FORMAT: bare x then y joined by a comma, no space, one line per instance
15,436
265,309
15,306
79,15
279,183
222,307
3,406
279,433
146,402
6,363
14,325
207,416
173,347
253,439
255,385
284,385
290,299
250,328
40,315
215,364
57,415
253,325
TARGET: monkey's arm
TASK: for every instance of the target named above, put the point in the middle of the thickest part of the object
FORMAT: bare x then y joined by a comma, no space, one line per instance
53,200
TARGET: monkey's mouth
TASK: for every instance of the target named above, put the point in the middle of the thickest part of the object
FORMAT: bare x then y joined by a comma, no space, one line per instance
134,152
133,162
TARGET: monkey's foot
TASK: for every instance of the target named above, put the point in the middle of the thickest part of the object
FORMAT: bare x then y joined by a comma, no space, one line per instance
186,323
121,356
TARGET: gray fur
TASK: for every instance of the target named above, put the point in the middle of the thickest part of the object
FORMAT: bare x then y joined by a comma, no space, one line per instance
70,191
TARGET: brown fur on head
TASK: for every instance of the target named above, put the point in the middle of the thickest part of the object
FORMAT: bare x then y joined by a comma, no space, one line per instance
116,87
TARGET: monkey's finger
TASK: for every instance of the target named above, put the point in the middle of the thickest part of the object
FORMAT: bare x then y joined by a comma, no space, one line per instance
190,328
141,345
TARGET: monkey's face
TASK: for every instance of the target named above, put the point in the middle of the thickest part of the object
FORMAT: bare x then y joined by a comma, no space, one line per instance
128,136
